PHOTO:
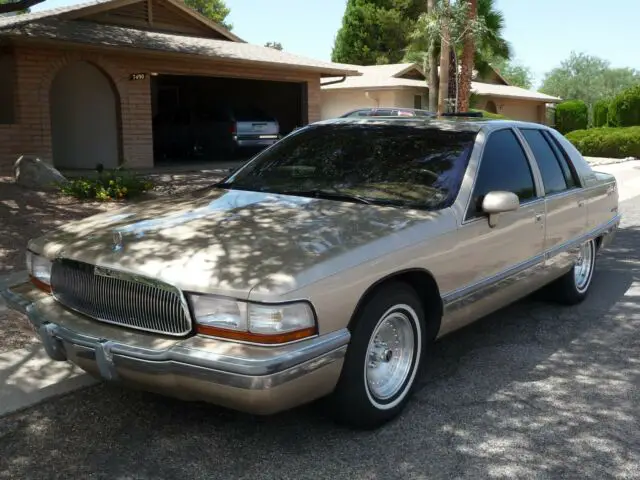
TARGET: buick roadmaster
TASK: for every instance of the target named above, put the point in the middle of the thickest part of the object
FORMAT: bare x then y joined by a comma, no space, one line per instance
325,267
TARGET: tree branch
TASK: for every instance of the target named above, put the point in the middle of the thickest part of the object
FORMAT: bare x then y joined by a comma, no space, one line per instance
18,6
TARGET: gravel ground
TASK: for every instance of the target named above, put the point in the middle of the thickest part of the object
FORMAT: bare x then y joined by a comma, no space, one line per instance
25,214
533,391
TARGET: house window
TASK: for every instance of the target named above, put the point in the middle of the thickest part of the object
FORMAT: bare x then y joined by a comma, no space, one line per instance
417,101
7,87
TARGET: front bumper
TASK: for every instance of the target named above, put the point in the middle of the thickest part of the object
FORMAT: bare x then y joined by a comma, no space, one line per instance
250,378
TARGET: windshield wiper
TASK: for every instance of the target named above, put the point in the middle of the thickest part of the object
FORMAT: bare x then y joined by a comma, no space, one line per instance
318,193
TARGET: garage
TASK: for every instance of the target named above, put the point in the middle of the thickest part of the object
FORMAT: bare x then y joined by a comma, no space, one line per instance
199,118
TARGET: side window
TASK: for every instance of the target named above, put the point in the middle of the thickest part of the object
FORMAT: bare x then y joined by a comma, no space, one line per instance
567,168
553,176
504,166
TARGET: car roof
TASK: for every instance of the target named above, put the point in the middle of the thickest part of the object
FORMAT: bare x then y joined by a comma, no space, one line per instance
473,124
376,109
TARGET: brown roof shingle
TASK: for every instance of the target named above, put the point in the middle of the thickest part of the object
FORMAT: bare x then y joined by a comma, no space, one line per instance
115,36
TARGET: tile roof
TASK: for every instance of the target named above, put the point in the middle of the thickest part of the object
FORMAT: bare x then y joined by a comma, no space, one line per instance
91,33
389,76
33,16
378,76
509,91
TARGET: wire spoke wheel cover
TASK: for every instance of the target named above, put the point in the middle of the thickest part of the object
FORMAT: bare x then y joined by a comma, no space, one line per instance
583,268
391,359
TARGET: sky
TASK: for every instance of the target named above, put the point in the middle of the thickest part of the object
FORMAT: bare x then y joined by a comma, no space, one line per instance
541,32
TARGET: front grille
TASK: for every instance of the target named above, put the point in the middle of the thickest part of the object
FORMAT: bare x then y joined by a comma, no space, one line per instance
122,299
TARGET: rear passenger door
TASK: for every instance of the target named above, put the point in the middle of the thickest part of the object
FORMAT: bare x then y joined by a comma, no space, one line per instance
564,202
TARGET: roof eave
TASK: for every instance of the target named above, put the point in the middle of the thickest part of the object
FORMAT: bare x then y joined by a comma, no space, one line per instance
516,97
373,87
323,71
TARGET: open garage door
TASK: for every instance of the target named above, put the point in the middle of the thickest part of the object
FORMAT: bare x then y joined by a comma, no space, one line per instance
212,118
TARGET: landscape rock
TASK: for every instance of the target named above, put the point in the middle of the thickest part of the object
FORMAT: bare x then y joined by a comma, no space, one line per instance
32,173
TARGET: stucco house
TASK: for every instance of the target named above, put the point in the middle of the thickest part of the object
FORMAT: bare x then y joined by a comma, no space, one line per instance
82,85
404,85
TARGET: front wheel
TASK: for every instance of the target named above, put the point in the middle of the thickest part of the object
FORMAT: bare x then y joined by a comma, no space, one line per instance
573,287
383,358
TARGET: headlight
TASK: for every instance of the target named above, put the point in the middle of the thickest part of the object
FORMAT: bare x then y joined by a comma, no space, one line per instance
40,270
224,317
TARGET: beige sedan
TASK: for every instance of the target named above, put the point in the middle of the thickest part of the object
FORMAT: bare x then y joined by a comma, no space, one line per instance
325,267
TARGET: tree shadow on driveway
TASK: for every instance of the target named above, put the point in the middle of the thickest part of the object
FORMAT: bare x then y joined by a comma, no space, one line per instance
533,391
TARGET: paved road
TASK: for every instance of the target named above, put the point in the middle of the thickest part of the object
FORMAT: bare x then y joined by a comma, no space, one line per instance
534,391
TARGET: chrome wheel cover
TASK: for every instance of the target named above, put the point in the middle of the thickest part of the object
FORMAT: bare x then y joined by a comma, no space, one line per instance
392,357
583,268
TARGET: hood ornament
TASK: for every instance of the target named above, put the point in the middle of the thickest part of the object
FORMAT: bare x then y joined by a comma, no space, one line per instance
118,242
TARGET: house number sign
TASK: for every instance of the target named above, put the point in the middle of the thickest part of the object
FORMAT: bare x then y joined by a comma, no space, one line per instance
138,76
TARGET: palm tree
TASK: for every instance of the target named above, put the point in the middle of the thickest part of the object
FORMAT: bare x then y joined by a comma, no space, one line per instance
468,52
433,66
428,33
445,40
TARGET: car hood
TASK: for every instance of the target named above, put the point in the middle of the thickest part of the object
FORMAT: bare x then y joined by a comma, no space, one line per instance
229,241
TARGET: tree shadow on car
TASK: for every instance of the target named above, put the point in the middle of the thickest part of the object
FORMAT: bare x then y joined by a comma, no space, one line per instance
534,389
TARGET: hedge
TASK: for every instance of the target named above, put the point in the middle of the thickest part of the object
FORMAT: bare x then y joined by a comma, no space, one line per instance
601,113
572,115
607,142
493,116
624,110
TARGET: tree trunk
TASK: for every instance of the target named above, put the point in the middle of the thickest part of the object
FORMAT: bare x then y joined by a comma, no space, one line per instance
433,68
444,64
466,70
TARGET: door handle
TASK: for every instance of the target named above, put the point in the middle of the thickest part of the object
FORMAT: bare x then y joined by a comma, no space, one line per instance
538,217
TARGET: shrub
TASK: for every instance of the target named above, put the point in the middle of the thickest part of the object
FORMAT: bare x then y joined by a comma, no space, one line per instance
493,116
572,115
624,110
607,142
108,185
601,113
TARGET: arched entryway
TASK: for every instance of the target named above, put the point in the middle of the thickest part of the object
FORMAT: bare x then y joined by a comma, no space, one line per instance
84,118
491,107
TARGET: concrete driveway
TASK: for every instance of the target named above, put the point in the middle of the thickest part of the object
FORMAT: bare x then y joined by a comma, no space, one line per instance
534,391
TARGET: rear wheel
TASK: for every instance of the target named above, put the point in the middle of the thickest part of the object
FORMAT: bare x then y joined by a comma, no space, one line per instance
573,286
383,359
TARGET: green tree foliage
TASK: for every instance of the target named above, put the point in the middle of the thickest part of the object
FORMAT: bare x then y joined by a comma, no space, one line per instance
624,110
17,7
490,44
515,73
601,113
276,45
588,78
572,115
215,10
374,32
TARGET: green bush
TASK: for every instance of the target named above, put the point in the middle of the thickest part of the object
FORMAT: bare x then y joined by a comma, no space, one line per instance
601,113
607,142
572,115
108,185
624,110
493,116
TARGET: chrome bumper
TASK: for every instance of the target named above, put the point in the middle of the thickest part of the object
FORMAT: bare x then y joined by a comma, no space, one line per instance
255,379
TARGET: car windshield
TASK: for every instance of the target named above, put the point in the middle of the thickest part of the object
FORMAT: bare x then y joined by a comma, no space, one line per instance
412,166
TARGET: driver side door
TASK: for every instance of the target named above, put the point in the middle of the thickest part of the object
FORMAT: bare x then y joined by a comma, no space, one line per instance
498,264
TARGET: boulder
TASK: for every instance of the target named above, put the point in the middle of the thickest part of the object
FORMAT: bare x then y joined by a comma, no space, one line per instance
34,174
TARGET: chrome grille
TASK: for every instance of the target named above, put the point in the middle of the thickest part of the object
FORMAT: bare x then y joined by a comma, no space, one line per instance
119,298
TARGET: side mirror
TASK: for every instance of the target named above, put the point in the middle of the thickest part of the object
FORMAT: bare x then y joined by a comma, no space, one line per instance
497,202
